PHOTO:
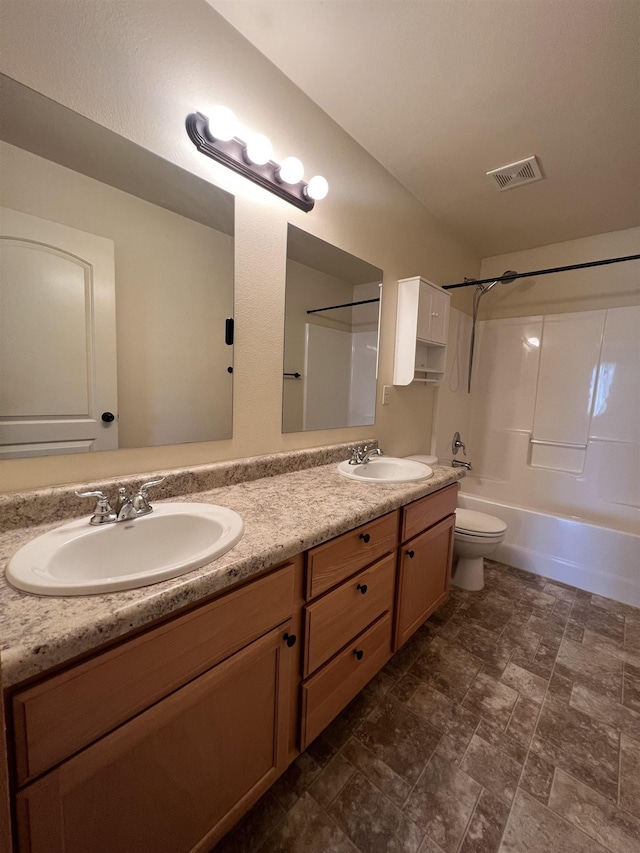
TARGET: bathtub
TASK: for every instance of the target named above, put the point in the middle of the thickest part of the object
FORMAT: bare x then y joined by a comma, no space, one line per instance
598,559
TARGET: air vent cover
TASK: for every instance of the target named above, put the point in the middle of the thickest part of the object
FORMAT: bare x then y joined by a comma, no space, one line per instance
516,174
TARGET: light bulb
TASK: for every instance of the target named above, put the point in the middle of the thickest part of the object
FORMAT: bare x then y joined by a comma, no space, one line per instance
317,188
291,170
259,149
223,124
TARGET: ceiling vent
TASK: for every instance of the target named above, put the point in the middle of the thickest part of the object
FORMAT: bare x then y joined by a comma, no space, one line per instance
516,174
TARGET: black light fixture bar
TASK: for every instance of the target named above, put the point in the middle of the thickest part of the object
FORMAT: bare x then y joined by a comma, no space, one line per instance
232,153
511,277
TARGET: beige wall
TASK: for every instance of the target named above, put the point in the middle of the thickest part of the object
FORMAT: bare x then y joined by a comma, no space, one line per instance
174,287
139,68
611,286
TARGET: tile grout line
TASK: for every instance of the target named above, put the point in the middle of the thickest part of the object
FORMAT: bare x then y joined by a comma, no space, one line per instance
620,763
526,758
468,824
482,788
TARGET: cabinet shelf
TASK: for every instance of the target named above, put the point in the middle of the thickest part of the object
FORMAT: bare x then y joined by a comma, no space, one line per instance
422,324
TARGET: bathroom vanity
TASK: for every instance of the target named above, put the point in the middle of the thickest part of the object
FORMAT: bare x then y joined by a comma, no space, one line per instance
160,737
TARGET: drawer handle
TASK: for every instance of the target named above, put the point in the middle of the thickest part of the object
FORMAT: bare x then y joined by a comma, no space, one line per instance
411,554
365,537
358,653
363,588
290,639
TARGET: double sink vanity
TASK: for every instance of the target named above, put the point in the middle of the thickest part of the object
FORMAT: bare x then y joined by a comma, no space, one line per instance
152,718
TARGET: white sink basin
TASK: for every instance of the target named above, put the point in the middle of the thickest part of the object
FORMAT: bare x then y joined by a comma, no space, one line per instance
386,469
78,559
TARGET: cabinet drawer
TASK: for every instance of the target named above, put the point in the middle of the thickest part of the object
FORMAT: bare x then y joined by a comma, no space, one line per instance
334,561
341,614
334,686
423,513
66,712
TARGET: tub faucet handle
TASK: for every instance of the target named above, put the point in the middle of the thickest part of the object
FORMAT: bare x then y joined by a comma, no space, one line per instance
456,444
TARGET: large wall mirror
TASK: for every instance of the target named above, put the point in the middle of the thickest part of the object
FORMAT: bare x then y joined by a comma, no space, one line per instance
332,306
116,285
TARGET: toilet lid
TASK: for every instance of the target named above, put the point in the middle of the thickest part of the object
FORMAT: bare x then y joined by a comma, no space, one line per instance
478,522
426,460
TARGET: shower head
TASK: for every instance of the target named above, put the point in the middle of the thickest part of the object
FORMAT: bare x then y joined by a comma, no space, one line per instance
506,278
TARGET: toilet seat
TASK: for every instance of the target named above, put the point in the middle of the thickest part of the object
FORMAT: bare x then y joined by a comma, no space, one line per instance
480,524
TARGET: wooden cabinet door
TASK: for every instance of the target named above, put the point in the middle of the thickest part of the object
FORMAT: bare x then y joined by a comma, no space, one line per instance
424,576
177,776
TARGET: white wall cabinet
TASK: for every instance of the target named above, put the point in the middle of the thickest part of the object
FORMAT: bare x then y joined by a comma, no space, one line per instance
422,322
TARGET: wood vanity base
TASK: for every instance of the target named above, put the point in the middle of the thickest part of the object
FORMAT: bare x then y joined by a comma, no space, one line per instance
162,742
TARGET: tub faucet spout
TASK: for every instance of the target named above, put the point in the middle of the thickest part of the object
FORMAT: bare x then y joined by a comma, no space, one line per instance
458,463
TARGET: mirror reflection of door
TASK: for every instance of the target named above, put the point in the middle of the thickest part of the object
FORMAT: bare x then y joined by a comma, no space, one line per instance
331,336
57,339
173,237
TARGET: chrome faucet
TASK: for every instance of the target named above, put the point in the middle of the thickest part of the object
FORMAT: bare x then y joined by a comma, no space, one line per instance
456,444
126,509
361,455
458,463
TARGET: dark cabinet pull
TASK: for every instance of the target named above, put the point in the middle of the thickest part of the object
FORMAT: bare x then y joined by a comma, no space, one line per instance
365,537
363,588
411,554
290,639
358,653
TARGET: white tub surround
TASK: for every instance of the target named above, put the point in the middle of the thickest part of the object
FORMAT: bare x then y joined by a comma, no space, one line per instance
543,429
552,429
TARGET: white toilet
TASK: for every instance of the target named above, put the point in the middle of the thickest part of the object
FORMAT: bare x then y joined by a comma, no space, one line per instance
477,535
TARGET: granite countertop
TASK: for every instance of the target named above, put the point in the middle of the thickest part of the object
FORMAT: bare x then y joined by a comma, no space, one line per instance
283,515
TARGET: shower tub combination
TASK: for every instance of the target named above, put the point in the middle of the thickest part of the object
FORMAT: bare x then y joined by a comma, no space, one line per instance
599,559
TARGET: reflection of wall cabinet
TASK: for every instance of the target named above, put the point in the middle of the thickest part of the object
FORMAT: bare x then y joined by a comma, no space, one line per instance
160,742
424,565
422,322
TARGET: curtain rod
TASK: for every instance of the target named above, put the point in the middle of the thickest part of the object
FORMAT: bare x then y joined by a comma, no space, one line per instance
345,305
511,276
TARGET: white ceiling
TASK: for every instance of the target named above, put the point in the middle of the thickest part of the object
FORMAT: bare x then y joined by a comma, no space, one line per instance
441,91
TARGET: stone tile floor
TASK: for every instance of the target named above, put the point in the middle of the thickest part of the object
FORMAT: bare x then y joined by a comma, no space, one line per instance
509,722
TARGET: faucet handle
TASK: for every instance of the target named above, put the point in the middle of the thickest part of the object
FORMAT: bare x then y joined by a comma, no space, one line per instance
457,444
103,511
141,501
97,494
143,488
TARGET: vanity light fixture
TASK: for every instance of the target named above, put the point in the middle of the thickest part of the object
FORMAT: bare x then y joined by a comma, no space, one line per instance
216,136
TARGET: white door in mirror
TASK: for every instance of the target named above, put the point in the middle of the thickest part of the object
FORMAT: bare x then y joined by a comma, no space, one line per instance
78,559
386,469
57,339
